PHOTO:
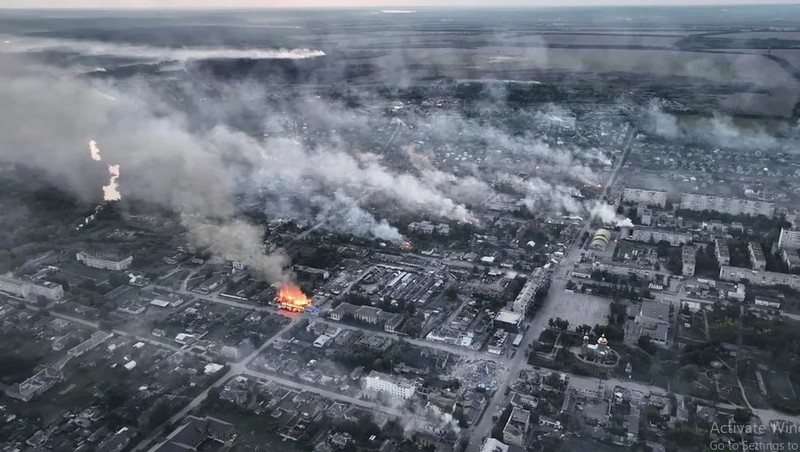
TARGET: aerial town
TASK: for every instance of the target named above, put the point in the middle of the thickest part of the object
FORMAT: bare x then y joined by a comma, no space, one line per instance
650,303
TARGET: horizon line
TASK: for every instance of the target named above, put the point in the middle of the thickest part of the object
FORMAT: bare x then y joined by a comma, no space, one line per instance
408,8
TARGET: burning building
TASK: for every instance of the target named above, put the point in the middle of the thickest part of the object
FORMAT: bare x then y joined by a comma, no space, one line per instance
291,298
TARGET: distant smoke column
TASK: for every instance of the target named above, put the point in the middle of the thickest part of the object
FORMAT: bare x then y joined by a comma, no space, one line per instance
111,191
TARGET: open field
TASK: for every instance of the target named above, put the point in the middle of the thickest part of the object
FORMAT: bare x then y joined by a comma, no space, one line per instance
580,309
760,35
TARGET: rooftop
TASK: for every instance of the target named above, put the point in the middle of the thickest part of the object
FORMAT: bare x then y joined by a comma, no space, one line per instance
655,310
505,316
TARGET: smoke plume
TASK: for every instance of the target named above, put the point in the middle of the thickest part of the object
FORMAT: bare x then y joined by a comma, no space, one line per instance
236,239
606,213
100,48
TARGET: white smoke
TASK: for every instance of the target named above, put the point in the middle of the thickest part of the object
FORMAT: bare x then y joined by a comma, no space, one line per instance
718,130
540,195
343,214
99,48
331,169
466,189
606,213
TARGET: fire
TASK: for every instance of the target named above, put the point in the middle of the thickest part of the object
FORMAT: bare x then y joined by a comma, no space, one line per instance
292,298
94,150
405,246
111,191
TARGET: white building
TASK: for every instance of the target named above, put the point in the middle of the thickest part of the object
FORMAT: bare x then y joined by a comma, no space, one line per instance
759,277
732,206
516,427
30,289
688,260
757,258
106,261
722,251
789,239
395,387
791,258
492,445
13,286
626,269
47,289
739,294
535,281
660,235
643,196
767,303
508,319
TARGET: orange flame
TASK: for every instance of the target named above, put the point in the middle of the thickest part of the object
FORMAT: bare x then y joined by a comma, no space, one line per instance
292,298
406,246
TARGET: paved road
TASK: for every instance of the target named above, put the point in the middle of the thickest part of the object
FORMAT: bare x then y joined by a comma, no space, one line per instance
455,349
294,384
550,308
118,332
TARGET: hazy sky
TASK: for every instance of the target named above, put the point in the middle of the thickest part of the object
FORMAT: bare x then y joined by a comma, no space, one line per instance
353,3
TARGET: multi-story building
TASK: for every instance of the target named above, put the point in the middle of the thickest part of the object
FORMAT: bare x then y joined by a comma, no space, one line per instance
688,258
660,235
791,258
105,261
516,427
759,277
732,206
589,388
24,288
311,272
97,338
625,269
789,239
646,217
757,258
13,286
722,251
535,281
47,289
395,387
368,314
497,343
767,303
644,196
35,385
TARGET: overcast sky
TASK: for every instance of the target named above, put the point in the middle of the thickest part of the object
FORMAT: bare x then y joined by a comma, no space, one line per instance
353,3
